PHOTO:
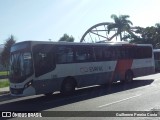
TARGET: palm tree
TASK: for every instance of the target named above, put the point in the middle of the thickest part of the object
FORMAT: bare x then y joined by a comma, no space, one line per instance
121,24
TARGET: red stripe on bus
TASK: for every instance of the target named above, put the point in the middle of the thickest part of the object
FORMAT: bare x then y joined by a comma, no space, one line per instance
121,67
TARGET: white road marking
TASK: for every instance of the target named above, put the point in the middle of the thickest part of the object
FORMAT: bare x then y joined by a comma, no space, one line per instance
119,101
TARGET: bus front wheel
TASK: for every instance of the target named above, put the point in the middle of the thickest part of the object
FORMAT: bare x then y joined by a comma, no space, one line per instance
68,86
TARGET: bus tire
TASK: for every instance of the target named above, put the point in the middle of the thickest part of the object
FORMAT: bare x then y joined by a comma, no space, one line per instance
128,76
68,86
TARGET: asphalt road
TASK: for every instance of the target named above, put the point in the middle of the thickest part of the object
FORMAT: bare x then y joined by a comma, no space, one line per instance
142,94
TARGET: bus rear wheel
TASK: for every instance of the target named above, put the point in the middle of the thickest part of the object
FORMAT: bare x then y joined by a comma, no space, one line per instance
128,76
68,86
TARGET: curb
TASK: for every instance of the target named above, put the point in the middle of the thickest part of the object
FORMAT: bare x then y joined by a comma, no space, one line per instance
4,92
3,76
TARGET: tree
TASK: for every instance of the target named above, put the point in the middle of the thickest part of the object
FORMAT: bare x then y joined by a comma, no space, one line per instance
148,35
66,38
121,24
5,55
157,39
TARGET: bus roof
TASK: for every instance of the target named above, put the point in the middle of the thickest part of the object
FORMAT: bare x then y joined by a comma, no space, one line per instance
79,43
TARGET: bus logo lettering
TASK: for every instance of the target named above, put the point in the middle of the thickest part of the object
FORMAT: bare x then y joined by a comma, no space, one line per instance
91,69
84,69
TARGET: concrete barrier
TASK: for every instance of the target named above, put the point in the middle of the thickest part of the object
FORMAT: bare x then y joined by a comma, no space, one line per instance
3,77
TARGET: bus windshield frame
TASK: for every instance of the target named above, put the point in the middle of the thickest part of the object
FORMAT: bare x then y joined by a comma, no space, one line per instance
21,62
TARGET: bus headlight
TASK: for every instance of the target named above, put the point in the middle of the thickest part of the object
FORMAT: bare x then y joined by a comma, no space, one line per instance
28,84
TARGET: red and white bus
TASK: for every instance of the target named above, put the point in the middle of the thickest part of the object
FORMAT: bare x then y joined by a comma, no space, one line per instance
39,67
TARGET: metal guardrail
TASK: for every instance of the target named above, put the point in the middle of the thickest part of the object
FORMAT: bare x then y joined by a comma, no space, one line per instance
3,77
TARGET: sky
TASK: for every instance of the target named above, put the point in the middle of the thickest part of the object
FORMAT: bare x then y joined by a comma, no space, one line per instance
42,20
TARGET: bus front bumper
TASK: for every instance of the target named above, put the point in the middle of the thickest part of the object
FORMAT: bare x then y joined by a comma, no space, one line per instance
23,91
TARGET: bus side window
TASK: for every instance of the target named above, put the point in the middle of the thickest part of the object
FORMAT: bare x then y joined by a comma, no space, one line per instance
143,52
64,54
118,52
140,53
44,60
107,54
98,52
123,53
147,52
83,54
130,52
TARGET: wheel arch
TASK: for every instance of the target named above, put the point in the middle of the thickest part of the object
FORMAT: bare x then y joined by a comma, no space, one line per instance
71,78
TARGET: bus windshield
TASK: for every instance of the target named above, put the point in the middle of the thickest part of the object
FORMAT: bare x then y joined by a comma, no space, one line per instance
20,66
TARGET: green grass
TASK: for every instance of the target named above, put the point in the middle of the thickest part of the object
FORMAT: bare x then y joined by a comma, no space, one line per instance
3,73
4,83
